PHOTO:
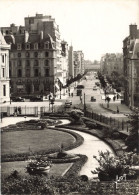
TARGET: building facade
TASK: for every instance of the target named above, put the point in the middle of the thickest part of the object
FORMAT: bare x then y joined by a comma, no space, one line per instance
78,63
35,56
4,70
71,62
110,63
131,67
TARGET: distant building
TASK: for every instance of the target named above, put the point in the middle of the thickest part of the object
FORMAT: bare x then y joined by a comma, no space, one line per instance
110,63
78,63
131,66
36,56
4,70
71,62
90,66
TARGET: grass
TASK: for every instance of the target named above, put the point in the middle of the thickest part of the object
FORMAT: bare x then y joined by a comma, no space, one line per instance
21,141
8,167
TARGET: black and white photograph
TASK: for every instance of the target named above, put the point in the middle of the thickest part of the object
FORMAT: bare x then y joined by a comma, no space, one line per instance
69,97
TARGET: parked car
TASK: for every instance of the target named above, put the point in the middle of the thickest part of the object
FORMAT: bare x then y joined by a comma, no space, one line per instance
36,99
68,102
17,99
93,99
45,98
94,88
67,105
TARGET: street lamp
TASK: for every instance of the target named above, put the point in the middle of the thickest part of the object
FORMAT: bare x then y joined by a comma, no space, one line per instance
84,105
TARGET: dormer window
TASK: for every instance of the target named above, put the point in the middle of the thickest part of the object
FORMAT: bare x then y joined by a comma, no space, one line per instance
19,46
46,45
28,46
36,46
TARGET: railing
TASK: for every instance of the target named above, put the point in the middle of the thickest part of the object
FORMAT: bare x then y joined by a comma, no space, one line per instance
121,125
20,111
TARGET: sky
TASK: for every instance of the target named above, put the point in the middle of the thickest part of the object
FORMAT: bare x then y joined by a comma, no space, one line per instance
94,26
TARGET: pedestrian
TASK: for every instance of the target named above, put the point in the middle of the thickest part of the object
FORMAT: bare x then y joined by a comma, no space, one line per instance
19,110
15,111
117,96
72,94
81,98
117,109
69,93
114,98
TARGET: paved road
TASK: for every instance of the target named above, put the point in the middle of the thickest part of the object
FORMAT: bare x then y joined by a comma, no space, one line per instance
95,106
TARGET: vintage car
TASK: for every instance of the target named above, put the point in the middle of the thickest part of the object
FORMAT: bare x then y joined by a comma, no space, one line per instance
93,99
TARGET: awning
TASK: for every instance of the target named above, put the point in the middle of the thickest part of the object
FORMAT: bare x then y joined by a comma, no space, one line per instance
56,85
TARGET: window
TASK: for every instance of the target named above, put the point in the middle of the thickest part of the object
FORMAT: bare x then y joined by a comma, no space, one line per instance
46,45
2,58
27,63
35,54
19,55
36,46
46,54
19,74
3,72
19,46
27,46
27,72
4,90
46,62
47,72
36,87
36,72
10,73
27,54
19,63
36,63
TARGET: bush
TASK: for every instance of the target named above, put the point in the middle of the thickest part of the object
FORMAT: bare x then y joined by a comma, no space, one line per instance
115,135
91,125
110,166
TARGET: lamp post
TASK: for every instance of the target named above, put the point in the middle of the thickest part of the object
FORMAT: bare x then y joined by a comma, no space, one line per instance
60,90
84,105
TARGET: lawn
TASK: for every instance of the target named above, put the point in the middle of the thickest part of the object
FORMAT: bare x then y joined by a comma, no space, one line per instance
8,167
42,140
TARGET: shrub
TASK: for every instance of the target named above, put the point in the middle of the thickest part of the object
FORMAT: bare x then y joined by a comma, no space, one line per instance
115,135
91,125
110,166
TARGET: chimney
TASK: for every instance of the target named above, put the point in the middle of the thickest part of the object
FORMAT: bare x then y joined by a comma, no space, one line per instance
26,36
133,31
41,35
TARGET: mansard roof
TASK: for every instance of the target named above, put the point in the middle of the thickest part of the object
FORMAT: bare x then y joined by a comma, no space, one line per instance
31,39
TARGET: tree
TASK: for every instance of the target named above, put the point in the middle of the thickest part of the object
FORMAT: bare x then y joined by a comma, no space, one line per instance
132,140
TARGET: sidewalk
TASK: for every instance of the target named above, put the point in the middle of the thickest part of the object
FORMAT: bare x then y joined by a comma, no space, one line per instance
13,120
117,105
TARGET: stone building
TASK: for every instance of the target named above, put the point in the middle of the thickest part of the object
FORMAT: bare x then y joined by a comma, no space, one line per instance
78,63
4,70
131,66
110,63
71,62
35,56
